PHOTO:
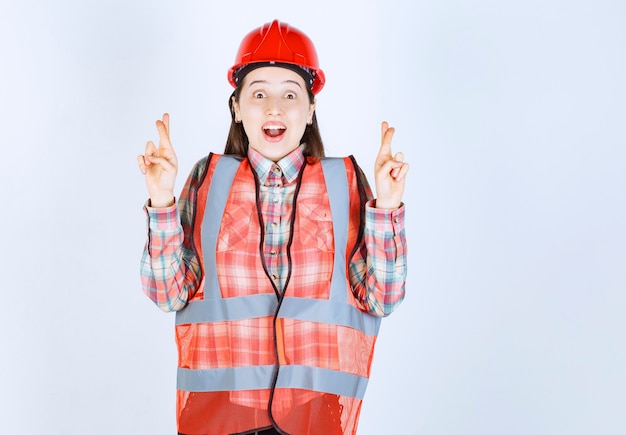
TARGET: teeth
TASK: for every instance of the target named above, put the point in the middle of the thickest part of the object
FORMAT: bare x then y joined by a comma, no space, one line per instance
274,130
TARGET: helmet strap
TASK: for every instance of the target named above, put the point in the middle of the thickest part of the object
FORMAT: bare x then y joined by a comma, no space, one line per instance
306,73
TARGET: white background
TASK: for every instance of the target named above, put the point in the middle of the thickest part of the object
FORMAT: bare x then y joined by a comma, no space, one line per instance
512,115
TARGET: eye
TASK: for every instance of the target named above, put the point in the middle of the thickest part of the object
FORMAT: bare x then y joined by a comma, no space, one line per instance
290,95
258,94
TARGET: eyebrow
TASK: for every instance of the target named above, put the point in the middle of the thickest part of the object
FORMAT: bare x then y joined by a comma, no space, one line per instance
284,82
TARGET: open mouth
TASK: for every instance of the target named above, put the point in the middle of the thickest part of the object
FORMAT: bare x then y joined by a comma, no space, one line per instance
274,130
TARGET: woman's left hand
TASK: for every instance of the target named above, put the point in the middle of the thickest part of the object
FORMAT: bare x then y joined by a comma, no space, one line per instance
389,172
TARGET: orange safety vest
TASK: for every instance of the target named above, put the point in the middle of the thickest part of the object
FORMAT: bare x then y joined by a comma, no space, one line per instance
253,356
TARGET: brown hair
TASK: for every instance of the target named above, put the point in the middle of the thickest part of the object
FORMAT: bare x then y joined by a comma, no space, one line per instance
237,142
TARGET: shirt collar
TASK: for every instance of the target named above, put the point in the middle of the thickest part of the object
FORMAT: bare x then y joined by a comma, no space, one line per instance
290,165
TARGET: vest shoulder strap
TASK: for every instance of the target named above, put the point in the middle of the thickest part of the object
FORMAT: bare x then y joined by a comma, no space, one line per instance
219,188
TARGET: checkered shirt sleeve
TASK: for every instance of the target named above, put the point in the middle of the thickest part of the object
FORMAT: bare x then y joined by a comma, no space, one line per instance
170,268
378,268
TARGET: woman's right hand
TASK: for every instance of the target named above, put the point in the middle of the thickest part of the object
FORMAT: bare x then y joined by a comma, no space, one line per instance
160,166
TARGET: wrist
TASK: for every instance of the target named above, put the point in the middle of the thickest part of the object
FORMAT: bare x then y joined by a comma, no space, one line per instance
163,202
386,205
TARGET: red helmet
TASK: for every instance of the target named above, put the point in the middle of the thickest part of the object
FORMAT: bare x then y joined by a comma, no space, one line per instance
279,43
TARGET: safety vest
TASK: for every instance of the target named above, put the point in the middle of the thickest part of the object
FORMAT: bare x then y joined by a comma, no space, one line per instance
252,356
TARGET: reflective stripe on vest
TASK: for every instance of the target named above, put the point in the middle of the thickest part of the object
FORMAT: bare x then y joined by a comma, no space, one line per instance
336,310
247,378
261,305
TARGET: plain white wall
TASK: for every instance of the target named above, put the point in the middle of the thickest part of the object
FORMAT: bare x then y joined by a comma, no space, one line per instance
512,115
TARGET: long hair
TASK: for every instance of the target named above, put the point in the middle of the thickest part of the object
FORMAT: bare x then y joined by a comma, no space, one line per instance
237,141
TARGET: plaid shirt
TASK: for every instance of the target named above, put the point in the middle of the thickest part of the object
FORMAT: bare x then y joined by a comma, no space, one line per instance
171,271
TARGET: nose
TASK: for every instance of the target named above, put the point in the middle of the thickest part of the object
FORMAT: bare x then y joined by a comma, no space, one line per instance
273,106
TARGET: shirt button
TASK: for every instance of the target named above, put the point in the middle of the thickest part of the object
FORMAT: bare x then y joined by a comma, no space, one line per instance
277,169
274,224
275,200
273,252
396,220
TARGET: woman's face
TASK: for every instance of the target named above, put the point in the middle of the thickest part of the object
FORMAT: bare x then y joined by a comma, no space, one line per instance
274,108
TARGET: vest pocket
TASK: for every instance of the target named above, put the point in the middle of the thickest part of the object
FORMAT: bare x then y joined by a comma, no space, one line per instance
315,228
235,229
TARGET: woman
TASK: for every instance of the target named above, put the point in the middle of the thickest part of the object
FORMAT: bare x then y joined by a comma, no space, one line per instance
278,261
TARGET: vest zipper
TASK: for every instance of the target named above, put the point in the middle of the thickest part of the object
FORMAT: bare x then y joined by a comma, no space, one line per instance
279,350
